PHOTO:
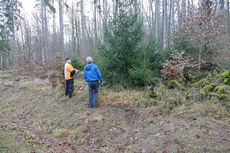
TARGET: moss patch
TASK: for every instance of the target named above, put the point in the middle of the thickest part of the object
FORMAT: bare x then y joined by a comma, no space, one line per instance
206,89
152,94
198,83
222,88
199,76
225,73
175,84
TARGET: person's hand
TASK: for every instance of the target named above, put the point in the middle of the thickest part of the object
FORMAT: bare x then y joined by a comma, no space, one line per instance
100,81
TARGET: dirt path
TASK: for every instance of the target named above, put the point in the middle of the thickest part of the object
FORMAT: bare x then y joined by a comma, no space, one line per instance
36,118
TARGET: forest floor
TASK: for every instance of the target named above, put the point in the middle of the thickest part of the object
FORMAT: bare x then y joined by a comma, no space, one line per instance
36,118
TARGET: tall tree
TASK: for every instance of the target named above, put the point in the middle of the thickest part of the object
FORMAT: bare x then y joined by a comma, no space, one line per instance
122,37
9,12
43,29
172,20
83,28
73,33
165,24
61,34
179,14
105,11
135,6
157,18
183,9
228,16
203,28
95,22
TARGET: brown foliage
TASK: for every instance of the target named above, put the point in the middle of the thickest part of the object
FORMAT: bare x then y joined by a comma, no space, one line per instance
173,69
32,68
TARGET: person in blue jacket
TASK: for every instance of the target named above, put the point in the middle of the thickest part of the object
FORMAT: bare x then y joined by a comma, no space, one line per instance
93,76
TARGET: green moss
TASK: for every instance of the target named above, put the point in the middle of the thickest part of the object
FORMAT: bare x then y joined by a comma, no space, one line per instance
223,96
174,111
104,144
207,102
74,133
218,75
199,76
198,83
220,95
184,79
174,84
58,133
147,121
206,83
152,94
215,72
227,80
188,95
225,73
222,88
206,89
214,94
147,103
174,100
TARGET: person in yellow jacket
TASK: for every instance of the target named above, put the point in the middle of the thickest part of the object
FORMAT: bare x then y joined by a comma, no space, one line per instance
69,71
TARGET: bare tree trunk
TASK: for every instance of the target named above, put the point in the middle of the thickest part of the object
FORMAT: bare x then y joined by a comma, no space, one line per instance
105,11
188,8
179,14
73,31
14,44
150,17
43,30
135,6
172,21
1,60
228,20
114,1
199,58
61,30
222,4
115,6
95,23
45,35
157,14
83,28
165,29
183,9
54,36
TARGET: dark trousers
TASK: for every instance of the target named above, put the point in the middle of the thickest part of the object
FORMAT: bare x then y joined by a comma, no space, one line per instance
93,92
69,88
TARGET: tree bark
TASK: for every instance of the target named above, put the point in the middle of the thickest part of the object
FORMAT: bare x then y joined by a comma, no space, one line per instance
73,31
172,21
45,35
228,20
83,28
179,14
43,30
105,11
95,23
61,35
14,59
183,9
165,19
135,6
1,60
157,15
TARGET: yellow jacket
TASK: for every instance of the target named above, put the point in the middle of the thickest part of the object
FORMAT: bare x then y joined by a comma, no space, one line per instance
68,69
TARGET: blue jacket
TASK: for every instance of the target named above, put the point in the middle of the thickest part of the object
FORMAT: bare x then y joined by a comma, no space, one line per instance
92,73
